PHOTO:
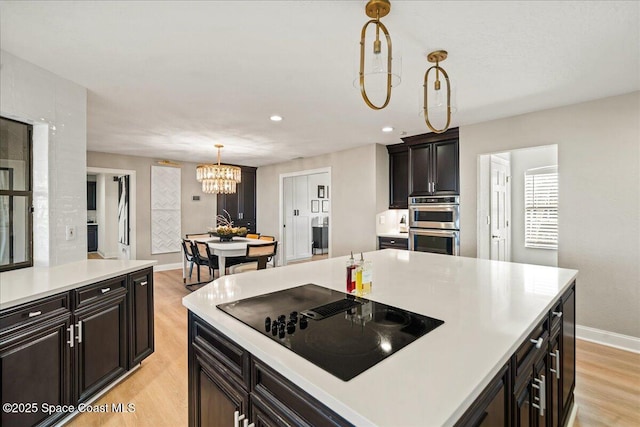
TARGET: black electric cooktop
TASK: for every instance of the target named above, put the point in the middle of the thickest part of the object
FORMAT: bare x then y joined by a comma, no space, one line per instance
340,333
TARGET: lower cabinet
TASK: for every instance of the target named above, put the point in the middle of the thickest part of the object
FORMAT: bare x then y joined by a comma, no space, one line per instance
393,243
141,341
226,382
492,407
66,348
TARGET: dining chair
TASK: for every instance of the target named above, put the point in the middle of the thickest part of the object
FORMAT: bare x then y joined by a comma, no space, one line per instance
269,238
258,255
201,257
188,254
253,236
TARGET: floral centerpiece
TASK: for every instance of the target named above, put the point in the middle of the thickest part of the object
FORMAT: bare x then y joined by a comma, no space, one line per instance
225,229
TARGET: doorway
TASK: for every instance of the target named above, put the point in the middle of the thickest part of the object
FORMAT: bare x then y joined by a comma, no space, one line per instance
513,215
112,221
305,211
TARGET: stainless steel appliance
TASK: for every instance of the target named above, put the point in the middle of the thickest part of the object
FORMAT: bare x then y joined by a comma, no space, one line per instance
434,224
340,333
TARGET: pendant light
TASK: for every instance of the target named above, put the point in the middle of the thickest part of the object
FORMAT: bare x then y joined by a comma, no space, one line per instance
437,57
218,179
377,9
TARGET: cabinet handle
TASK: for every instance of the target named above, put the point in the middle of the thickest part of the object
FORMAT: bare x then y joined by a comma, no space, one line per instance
105,290
35,313
143,283
537,342
542,394
557,313
392,241
71,337
433,187
79,326
245,423
556,355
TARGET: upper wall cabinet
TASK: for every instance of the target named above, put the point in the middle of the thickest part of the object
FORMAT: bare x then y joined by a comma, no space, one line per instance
241,206
398,176
434,168
424,165
91,195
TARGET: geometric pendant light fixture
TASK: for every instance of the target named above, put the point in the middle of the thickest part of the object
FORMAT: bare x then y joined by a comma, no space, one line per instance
440,101
218,179
379,65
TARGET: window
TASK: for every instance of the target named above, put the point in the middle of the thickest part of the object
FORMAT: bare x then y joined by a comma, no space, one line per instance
541,208
16,230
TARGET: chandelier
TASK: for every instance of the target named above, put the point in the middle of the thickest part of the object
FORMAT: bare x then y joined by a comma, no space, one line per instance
218,179
377,9
437,57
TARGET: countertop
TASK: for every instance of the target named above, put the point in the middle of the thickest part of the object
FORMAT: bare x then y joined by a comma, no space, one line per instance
29,284
488,307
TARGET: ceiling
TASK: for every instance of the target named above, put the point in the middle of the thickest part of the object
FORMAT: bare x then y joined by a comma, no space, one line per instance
170,79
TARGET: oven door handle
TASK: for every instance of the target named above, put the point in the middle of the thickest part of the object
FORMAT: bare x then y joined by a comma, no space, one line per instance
435,208
436,233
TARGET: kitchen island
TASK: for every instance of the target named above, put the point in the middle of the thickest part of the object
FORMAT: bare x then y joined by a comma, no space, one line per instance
490,310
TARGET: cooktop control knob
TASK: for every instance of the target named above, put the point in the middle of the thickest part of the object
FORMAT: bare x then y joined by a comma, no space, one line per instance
282,318
281,334
291,327
267,324
303,322
274,329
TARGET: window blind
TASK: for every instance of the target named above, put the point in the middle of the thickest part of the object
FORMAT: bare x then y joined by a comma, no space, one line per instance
541,208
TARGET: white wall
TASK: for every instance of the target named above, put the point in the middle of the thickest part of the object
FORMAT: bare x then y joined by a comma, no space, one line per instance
521,161
354,196
599,213
314,180
57,108
196,216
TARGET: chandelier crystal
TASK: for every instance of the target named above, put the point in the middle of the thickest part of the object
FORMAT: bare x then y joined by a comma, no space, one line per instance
217,178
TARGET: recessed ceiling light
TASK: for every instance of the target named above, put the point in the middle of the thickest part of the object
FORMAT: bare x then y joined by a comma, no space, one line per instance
276,118
387,129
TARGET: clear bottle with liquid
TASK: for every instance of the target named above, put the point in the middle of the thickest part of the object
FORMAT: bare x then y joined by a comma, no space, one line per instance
351,280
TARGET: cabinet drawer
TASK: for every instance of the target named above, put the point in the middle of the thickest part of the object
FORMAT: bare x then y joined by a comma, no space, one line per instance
97,291
34,311
393,243
535,343
230,355
291,402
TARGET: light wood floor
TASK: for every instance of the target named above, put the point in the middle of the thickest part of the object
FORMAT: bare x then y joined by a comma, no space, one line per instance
93,255
607,384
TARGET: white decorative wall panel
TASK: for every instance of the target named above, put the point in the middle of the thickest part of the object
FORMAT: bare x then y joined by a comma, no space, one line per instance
165,209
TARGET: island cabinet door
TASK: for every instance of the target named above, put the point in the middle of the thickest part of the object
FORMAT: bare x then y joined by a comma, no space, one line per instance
491,409
101,344
140,318
215,399
568,351
36,372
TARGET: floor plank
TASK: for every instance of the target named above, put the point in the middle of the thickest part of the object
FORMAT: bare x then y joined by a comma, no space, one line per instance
607,379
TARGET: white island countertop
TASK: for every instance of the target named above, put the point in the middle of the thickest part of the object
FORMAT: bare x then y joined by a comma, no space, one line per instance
489,307
29,284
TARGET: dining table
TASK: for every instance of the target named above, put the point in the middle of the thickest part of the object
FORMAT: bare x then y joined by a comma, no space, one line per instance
227,249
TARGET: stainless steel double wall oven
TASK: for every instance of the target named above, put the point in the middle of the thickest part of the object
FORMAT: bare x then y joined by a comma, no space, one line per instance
434,224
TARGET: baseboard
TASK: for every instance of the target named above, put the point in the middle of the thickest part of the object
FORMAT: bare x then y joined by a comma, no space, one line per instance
574,414
610,339
165,267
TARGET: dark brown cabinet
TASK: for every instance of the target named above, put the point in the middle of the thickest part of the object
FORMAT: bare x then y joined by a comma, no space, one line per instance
568,351
64,349
101,344
491,409
241,206
91,195
141,337
398,176
434,164
225,379
92,238
393,243
36,369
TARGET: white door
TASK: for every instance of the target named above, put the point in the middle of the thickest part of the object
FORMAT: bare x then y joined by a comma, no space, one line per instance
302,218
500,209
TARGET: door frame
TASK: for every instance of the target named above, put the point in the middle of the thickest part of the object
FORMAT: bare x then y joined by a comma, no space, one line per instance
282,259
132,203
495,158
